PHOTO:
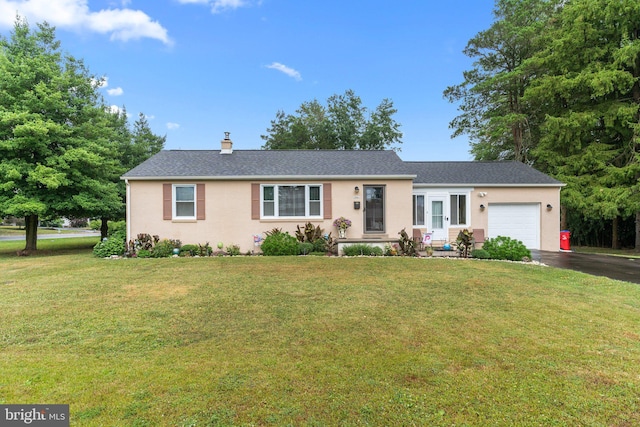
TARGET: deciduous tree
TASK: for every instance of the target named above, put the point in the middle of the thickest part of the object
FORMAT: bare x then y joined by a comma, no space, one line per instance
344,124
56,155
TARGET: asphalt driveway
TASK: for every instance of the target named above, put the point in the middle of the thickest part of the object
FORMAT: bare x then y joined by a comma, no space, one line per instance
614,267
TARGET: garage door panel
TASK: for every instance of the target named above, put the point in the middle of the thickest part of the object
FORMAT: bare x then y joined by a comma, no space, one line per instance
518,221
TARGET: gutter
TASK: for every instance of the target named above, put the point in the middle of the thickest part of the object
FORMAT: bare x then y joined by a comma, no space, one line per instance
269,178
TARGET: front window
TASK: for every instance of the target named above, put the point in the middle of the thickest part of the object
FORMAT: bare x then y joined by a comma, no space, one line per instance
283,201
184,197
458,209
418,209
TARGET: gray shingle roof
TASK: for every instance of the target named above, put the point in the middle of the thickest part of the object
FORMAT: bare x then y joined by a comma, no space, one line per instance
252,164
270,163
478,173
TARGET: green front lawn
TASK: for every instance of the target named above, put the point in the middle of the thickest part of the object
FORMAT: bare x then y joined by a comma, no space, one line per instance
47,247
9,230
318,341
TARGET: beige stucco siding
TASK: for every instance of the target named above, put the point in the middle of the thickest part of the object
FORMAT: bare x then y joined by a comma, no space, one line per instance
228,211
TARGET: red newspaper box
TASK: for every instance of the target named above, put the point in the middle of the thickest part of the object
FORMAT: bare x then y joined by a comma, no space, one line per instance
565,244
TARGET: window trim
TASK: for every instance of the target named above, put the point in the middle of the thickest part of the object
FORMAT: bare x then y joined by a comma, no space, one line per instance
174,202
307,201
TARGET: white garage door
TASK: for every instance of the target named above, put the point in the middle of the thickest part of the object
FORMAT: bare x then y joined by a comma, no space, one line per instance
518,221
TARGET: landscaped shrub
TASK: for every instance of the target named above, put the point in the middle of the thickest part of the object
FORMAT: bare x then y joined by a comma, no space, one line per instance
502,247
162,249
204,250
233,250
189,250
480,254
305,248
320,245
113,245
465,242
279,244
143,253
406,244
362,249
315,235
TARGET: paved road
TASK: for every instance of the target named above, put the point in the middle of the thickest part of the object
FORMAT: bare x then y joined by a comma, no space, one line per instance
614,267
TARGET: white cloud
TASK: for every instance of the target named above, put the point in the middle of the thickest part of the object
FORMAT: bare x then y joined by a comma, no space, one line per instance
117,91
172,126
114,109
218,6
103,82
121,24
286,70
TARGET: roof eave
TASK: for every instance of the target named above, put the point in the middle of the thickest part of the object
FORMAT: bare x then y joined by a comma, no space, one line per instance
268,177
467,184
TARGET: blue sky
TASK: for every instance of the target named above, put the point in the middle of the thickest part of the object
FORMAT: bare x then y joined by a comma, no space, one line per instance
198,68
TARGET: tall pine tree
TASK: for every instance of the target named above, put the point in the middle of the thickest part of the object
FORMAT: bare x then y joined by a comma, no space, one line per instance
587,83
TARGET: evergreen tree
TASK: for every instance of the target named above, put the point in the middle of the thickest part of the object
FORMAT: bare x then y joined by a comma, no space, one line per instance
587,82
500,125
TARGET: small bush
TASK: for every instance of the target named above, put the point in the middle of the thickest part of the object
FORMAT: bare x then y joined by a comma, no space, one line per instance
189,250
305,248
406,244
279,244
204,250
502,247
320,245
362,249
143,253
162,249
113,245
480,254
233,250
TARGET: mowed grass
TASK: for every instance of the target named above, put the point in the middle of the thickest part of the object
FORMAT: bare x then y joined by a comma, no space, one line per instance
318,341
50,246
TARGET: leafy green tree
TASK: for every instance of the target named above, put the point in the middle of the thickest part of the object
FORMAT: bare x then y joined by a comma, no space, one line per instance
499,124
54,141
344,124
587,80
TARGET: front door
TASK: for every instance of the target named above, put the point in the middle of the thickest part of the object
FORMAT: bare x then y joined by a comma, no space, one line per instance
437,221
374,209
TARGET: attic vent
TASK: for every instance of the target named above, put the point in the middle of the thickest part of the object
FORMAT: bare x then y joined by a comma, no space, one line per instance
226,145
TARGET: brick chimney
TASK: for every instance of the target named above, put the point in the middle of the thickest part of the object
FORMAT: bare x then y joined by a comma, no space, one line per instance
226,146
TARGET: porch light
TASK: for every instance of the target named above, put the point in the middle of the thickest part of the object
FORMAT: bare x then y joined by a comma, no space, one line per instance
481,207
549,207
357,190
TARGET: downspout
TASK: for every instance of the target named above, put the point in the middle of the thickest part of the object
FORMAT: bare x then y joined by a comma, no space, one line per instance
128,209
